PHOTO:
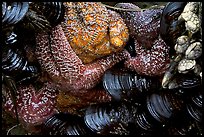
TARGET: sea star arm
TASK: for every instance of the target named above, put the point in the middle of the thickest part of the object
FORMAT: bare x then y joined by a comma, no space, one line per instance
93,72
150,62
72,71
33,106
44,55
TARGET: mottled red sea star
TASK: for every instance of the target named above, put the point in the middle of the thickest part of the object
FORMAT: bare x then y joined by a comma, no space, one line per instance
64,66
152,53
33,106
151,62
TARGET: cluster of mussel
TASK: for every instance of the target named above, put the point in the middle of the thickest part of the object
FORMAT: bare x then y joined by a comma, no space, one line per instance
20,21
141,105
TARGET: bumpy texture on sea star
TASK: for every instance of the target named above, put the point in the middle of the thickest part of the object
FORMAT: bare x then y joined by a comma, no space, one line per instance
153,62
93,31
64,66
33,106
152,53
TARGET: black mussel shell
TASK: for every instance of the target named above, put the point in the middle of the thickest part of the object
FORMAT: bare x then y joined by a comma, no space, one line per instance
58,15
21,13
186,81
65,124
116,84
53,11
170,27
191,82
195,112
10,12
146,122
123,84
110,118
197,99
14,12
194,106
11,38
164,106
4,7
17,66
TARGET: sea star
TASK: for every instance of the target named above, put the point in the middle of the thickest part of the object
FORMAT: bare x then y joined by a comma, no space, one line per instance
93,31
33,106
152,53
153,62
64,66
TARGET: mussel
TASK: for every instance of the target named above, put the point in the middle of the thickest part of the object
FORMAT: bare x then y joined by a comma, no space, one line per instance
65,124
170,27
122,84
110,118
53,11
145,122
194,107
15,65
185,81
13,12
15,62
164,106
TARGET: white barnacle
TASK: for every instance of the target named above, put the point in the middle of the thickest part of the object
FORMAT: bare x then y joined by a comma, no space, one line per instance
189,15
193,25
185,65
194,51
191,7
182,44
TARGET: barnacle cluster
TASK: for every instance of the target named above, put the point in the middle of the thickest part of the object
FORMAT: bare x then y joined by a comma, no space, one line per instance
188,47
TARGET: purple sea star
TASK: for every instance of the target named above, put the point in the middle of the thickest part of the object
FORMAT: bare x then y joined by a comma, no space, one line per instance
64,66
33,106
152,53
